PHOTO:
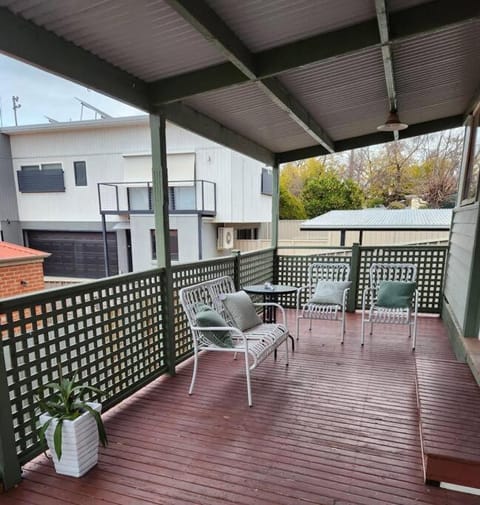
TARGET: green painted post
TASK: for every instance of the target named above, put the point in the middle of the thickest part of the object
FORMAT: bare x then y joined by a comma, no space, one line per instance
275,218
275,205
236,268
354,273
10,473
162,230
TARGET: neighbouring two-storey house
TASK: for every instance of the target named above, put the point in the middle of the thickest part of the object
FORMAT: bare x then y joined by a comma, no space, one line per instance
82,191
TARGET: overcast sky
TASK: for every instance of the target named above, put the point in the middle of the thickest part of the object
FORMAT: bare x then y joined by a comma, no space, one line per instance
42,94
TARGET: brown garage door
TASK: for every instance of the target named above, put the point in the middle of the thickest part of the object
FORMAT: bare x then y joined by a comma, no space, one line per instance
75,254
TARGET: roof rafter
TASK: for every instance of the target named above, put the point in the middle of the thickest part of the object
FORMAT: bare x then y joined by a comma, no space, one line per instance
372,139
214,29
382,19
404,24
192,120
28,42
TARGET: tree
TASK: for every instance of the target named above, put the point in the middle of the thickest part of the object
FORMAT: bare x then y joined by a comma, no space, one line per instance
329,192
290,206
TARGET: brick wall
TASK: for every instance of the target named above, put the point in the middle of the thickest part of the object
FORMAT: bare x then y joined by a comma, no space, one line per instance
21,278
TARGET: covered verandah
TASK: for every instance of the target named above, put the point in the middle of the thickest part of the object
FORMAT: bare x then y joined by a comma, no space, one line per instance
277,81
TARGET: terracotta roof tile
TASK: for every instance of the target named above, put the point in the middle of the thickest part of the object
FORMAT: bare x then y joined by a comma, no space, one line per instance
10,251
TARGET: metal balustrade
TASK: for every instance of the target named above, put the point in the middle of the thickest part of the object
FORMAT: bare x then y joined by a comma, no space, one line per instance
112,331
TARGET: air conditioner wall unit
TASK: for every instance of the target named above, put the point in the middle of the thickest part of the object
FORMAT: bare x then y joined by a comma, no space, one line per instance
225,237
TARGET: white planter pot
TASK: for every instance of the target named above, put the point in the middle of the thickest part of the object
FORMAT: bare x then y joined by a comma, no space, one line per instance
79,443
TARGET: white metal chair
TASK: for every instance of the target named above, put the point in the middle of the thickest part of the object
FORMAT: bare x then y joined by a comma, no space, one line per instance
255,343
335,273
405,272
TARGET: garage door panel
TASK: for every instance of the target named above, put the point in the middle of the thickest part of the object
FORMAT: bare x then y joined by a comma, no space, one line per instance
75,254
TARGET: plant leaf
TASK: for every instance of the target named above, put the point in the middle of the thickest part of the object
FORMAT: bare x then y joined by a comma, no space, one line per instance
102,435
57,438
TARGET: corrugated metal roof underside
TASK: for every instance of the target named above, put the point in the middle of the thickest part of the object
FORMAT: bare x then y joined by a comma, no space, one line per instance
262,24
249,111
382,219
346,95
149,41
436,75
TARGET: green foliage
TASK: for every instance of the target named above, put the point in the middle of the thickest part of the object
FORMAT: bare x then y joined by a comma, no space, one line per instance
329,192
66,403
290,206
396,205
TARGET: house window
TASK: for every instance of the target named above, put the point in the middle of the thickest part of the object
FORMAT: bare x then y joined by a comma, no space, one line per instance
80,169
267,182
41,178
173,245
471,161
247,234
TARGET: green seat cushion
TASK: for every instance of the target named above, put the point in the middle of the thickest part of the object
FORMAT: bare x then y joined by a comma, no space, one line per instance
330,292
395,294
241,309
207,317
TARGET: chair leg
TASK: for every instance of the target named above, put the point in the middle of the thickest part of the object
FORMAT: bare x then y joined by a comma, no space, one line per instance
343,327
286,350
194,375
362,339
298,328
249,386
310,327
414,342
371,328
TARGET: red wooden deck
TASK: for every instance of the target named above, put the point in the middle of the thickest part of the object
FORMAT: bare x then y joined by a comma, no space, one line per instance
337,427
449,401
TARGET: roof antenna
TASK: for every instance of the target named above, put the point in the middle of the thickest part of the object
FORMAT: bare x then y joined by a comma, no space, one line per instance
98,113
51,120
15,106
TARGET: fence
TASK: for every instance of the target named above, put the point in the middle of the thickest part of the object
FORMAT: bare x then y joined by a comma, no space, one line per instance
112,331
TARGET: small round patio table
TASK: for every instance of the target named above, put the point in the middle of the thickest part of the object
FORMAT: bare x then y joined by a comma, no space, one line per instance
270,294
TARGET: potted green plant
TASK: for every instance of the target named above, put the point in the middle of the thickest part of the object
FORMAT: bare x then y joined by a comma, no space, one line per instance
71,427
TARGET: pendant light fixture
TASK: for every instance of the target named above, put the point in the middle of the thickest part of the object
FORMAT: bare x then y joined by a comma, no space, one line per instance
392,124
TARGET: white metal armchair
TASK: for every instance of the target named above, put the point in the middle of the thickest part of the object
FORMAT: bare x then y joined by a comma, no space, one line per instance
391,297
326,293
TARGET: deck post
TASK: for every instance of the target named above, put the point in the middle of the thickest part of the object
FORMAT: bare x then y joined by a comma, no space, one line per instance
162,231
354,274
236,268
275,217
10,472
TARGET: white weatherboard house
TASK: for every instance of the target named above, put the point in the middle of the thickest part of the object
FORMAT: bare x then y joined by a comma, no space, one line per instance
62,184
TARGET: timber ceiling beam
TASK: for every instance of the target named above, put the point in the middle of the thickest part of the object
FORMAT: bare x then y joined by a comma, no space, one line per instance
24,40
387,58
404,24
196,122
413,130
213,28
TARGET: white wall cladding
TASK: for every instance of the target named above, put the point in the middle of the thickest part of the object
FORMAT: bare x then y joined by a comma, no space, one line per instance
105,151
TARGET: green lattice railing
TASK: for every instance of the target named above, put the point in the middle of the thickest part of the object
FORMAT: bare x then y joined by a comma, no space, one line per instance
430,262
112,331
109,332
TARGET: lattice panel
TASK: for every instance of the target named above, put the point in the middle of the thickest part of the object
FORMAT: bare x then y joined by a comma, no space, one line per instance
430,262
110,332
256,267
293,271
187,275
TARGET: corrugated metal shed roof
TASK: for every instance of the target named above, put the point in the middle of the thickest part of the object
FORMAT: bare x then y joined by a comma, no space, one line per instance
381,219
277,79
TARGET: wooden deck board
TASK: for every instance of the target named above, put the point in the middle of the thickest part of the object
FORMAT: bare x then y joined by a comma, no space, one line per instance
449,402
339,426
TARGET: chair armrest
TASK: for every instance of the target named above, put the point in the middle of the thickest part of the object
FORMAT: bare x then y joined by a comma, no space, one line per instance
300,291
364,296
276,305
345,295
